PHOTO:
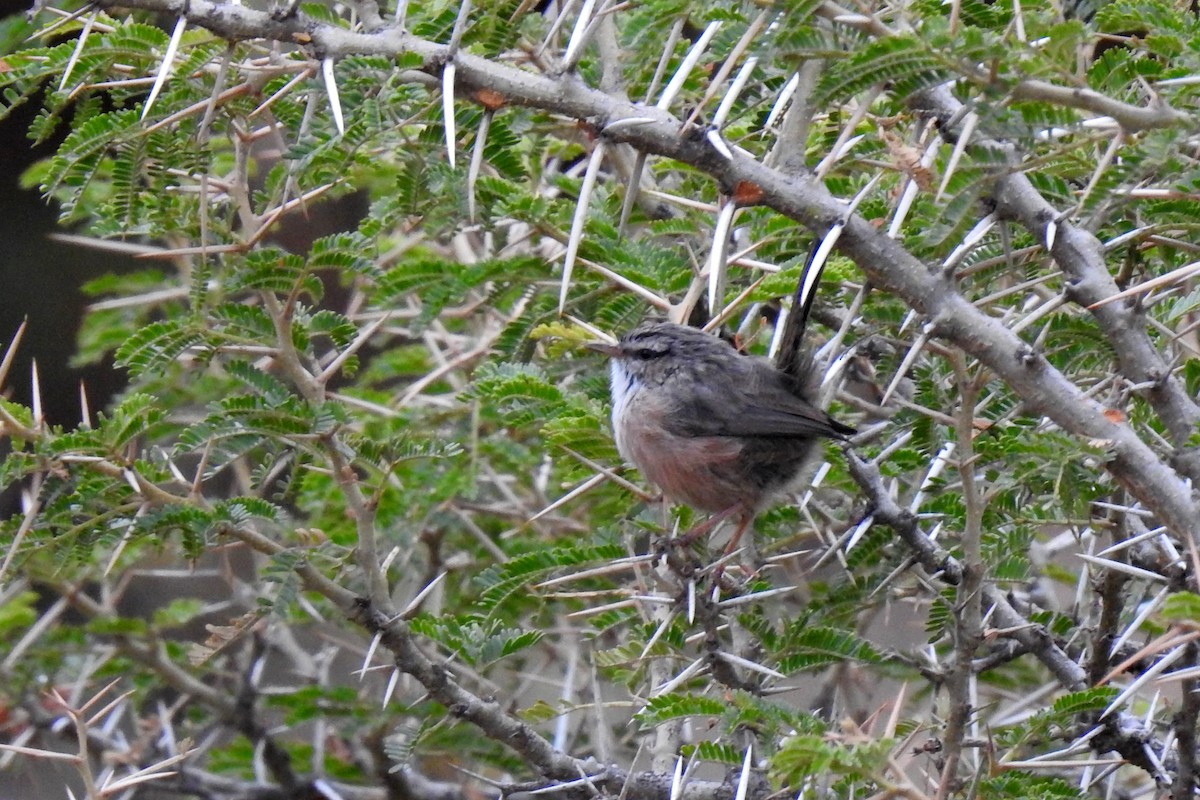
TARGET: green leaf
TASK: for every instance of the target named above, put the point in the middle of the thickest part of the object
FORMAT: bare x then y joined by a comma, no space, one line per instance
664,707
904,60
1181,607
156,345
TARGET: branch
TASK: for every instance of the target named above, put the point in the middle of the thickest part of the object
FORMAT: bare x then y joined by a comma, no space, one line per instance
1132,118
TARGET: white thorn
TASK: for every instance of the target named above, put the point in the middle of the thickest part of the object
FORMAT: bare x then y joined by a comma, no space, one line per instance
577,41
960,147
485,124
1147,676
859,532
781,102
714,138
375,640
731,96
415,603
585,193
391,687
36,389
677,780
689,62
448,73
83,35
335,100
969,241
85,412
716,260
165,68
744,781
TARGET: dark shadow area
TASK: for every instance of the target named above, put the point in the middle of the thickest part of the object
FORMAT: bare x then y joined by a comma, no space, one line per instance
40,280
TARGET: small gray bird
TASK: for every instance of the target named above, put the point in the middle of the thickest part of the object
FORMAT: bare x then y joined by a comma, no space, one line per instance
713,428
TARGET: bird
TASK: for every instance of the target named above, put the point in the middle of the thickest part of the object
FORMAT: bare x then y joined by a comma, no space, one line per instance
711,427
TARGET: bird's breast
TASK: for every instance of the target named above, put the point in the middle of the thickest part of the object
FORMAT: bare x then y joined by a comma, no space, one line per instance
696,470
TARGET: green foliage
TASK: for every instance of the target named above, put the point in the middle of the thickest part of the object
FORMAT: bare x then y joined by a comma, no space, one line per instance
1182,606
476,641
670,706
807,756
906,61
18,613
809,648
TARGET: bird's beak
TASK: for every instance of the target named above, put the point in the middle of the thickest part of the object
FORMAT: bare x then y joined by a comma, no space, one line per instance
607,348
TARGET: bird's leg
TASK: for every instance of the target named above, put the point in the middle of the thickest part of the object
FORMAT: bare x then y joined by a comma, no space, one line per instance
709,525
677,549
743,525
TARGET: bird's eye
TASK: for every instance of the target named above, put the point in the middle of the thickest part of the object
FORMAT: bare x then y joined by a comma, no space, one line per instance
648,353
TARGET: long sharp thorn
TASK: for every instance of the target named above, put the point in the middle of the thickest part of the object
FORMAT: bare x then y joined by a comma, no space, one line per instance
448,73
85,412
375,640
1147,676
386,564
83,35
577,38
753,666
415,603
1119,566
364,335
859,532
960,147
485,125
11,352
335,99
36,390
781,102
689,62
460,27
687,674
165,68
717,264
744,780
677,780
735,89
585,193
973,237
631,191
1143,614
391,687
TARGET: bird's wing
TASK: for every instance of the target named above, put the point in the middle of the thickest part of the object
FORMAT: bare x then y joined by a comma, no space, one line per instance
753,400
